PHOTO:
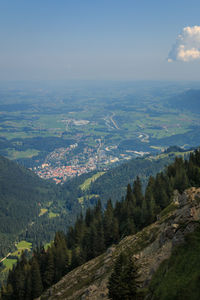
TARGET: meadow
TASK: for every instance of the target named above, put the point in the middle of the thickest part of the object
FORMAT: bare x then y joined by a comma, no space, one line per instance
130,118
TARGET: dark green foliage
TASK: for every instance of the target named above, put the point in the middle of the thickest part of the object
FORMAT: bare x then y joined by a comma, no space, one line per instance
19,199
137,191
178,277
122,283
108,223
48,273
22,195
114,182
36,280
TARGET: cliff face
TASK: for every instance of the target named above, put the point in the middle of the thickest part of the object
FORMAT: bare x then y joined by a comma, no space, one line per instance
150,247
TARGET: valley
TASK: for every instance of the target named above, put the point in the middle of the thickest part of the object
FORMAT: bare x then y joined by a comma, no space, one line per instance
63,132
82,149
150,227
99,150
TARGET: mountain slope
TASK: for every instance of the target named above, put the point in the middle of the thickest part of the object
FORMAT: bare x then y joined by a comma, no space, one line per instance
33,209
21,193
22,196
188,100
178,276
150,247
113,183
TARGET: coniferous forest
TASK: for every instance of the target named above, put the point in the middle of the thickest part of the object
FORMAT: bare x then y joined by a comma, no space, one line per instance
99,229
23,195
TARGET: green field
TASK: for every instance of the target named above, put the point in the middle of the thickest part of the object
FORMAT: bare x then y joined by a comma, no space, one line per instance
13,154
21,246
43,211
47,245
24,245
8,263
163,155
87,197
85,186
115,115
53,215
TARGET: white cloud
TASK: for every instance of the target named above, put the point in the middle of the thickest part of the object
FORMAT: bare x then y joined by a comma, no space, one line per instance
187,46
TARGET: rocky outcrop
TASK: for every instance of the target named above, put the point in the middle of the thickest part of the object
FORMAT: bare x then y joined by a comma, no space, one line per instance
149,247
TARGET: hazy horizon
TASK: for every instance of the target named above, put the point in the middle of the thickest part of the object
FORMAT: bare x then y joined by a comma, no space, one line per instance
107,40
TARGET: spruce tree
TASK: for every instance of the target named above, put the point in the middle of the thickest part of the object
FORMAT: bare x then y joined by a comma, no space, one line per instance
108,223
122,283
137,191
48,276
36,280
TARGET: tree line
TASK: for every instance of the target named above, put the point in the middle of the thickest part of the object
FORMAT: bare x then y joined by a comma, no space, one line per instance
99,229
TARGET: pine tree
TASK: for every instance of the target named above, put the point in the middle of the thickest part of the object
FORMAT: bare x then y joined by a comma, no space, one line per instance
101,239
150,201
88,217
6,292
115,279
48,276
137,191
144,213
115,227
36,280
28,287
129,277
108,223
122,282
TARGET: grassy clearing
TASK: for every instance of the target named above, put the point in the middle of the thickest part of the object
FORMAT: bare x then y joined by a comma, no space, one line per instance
48,122
88,197
8,263
24,245
52,215
43,211
21,246
18,135
85,186
81,200
47,245
29,153
163,155
49,203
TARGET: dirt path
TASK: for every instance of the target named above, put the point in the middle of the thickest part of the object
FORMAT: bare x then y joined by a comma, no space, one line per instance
5,257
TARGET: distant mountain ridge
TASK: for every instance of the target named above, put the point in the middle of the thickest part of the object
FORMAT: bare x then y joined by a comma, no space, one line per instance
189,100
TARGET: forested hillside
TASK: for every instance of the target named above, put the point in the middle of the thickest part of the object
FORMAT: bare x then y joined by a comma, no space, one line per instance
33,209
91,235
125,270
113,183
22,196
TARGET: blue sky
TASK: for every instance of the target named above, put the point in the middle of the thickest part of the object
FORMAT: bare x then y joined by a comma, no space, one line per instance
85,39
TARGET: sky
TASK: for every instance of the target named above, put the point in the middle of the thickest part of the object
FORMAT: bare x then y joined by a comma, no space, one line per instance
99,40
